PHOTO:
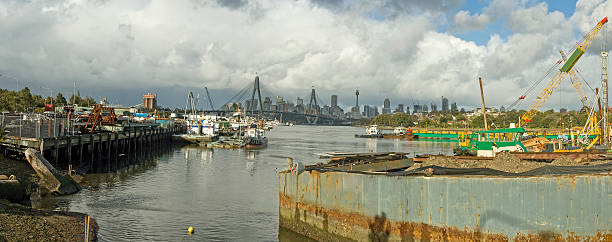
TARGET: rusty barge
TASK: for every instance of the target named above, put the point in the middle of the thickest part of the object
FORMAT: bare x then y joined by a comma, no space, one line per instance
448,204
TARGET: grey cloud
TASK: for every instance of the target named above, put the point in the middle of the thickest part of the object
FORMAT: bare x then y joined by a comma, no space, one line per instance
173,47
234,4
464,21
391,8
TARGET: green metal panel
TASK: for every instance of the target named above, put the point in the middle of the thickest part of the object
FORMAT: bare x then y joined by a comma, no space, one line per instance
508,130
436,135
572,60
484,145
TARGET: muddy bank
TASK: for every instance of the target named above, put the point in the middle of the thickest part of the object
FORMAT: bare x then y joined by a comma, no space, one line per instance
20,223
503,162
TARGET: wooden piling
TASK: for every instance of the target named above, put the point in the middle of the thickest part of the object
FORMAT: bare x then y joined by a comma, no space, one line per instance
92,151
80,149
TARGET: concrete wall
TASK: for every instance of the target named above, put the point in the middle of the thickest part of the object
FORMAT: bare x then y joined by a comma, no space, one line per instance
375,207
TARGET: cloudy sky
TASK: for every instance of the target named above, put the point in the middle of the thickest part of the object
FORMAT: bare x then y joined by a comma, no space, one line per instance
412,51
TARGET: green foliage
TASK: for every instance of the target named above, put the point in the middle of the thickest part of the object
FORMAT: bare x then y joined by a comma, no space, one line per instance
2,134
547,119
362,122
24,101
60,99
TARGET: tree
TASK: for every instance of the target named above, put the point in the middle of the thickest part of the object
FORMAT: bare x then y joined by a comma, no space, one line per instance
382,120
74,99
60,99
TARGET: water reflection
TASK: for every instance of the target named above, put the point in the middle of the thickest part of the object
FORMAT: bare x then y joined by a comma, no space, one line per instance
250,162
371,144
224,194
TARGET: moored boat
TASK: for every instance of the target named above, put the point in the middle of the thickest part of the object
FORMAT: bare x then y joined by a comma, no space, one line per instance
399,133
371,132
199,131
255,137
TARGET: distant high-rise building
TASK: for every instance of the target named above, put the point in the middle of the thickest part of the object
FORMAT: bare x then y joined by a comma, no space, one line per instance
357,100
434,107
444,104
247,104
366,111
502,109
279,100
149,101
400,108
334,101
425,109
300,101
386,106
454,108
417,108
373,111
407,109
267,104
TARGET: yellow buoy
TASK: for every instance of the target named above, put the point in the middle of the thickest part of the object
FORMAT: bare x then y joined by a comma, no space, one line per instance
190,230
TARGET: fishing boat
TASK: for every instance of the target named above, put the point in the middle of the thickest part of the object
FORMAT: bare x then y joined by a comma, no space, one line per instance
371,132
255,137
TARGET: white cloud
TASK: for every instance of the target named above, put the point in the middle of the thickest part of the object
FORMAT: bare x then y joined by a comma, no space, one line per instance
174,46
465,21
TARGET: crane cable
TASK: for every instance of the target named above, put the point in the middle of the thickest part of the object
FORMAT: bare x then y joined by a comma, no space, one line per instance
534,85
549,71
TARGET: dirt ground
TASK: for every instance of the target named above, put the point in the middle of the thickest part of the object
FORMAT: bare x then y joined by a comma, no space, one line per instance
20,168
20,223
503,162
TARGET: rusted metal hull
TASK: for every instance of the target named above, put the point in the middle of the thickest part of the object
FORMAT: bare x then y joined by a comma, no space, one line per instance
376,166
362,207
402,136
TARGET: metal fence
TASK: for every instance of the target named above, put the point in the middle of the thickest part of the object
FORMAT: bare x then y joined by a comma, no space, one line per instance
37,125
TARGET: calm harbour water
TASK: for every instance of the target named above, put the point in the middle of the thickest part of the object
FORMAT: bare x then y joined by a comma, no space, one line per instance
223,194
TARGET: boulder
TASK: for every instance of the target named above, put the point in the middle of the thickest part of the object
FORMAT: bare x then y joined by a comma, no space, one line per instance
51,179
12,190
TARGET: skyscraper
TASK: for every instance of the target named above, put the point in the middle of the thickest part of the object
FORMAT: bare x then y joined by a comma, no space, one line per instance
334,101
386,106
267,104
400,108
454,108
444,104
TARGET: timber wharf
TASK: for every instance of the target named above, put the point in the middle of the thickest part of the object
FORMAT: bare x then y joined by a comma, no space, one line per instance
102,151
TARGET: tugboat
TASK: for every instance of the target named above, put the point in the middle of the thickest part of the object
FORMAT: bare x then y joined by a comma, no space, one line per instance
371,132
255,137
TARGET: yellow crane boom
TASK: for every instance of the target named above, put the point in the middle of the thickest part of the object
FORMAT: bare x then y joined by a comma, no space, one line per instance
565,70
584,100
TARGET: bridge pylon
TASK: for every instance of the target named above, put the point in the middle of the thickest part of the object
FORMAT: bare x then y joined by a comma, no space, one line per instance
256,88
312,109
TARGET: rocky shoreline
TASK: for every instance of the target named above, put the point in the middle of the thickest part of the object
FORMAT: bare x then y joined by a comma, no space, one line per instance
20,222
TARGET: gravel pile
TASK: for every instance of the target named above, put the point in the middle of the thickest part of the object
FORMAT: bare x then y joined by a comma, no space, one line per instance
503,162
